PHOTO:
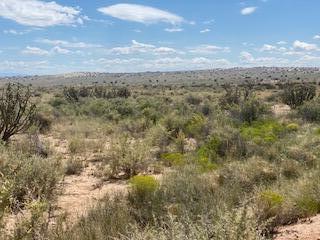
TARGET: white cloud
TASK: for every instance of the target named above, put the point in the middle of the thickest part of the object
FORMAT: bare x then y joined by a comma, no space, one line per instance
305,46
39,13
308,61
35,51
22,65
177,63
164,50
208,49
248,10
42,52
67,44
272,48
316,37
141,14
173,30
282,43
246,57
14,32
137,47
111,62
209,22
205,30
267,48
60,50
249,60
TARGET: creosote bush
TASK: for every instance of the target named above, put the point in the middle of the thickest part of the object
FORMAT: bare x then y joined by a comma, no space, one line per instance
310,111
33,178
127,157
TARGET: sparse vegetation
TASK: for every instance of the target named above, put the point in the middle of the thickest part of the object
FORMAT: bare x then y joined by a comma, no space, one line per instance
190,162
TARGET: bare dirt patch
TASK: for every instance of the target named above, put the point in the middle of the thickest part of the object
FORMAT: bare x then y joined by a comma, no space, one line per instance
280,109
307,229
82,192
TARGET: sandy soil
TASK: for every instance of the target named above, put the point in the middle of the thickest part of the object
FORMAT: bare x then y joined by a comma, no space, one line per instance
280,109
81,192
307,229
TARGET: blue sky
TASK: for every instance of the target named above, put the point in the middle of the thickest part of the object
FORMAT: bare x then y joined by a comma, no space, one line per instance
45,37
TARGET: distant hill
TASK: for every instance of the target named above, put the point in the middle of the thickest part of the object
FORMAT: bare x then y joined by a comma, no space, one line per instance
213,76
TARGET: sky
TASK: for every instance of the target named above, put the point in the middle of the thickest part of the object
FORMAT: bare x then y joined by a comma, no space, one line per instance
46,37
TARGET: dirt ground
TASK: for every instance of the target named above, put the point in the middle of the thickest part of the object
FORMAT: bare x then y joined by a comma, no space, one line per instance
307,229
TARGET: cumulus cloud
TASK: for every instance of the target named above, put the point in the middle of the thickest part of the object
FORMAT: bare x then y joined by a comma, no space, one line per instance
14,32
209,22
305,46
39,13
246,57
137,47
173,30
282,43
164,50
268,47
60,50
205,30
35,51
248,10
249,60
208,49
141,14
177,63
316,37
22,65
67,44
42,52
271,48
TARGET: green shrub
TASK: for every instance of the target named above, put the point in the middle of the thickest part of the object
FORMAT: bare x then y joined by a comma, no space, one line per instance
73,167
210,150
143,185
43,123
290,169
71,94
109,220
173,159
24,179
248,111
180,142
272,200
231,97
304,157
267,131
245,176
226,142
270,208
128,158
292,127
57,102
195,127
159,137
310,111
205,165
76,145
194,100
308,205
